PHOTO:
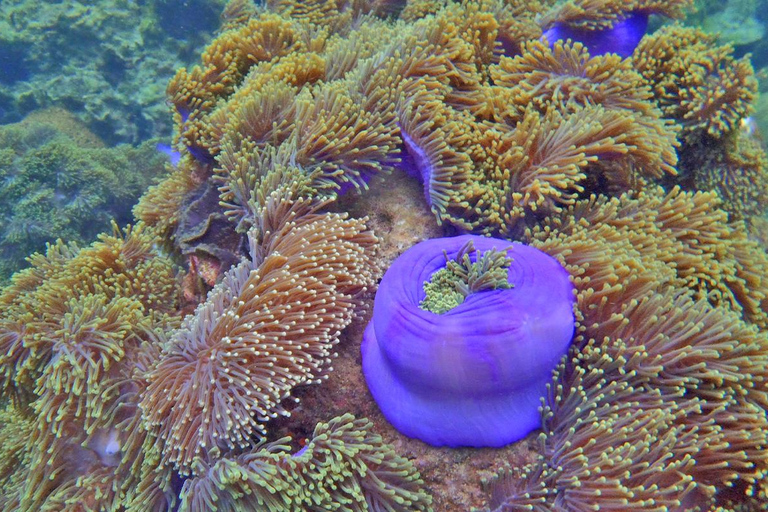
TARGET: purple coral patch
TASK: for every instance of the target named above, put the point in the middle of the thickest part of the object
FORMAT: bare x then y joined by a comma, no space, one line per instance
475,375
622,38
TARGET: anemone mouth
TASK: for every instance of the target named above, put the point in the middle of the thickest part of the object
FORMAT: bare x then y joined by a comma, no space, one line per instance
468,273
490,357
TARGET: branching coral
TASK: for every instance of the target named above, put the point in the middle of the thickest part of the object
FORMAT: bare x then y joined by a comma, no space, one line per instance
343,467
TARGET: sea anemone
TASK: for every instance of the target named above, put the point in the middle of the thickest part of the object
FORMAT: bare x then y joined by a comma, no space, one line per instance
622,38
698,84
606,26
472,375
344,466
267,327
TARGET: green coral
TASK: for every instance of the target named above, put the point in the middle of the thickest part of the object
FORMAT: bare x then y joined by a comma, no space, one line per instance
343,467
734,21
461,277
53,187
108,62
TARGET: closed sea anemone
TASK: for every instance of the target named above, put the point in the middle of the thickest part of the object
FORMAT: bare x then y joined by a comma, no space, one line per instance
622,38
606,26
472,374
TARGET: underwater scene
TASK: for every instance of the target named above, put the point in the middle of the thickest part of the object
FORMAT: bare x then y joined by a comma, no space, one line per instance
384,255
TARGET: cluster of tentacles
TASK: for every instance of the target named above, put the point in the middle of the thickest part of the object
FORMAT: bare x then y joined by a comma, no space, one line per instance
517,136
631,170
110,403
661,403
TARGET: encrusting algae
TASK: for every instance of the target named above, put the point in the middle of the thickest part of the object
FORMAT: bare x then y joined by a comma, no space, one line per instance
633,172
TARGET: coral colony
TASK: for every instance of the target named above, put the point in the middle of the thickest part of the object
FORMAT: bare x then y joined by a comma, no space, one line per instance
571,275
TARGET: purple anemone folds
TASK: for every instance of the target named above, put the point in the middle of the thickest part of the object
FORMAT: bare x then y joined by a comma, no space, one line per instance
474,375
622,38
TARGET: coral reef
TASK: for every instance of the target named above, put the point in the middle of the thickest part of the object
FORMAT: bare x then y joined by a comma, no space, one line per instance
106,62
736,22
58,181
488,359
305,126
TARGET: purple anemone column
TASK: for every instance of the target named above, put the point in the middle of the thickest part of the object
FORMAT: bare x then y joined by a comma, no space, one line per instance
473,376
622,38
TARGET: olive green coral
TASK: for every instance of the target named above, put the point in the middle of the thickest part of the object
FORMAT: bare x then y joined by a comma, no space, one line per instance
53,185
